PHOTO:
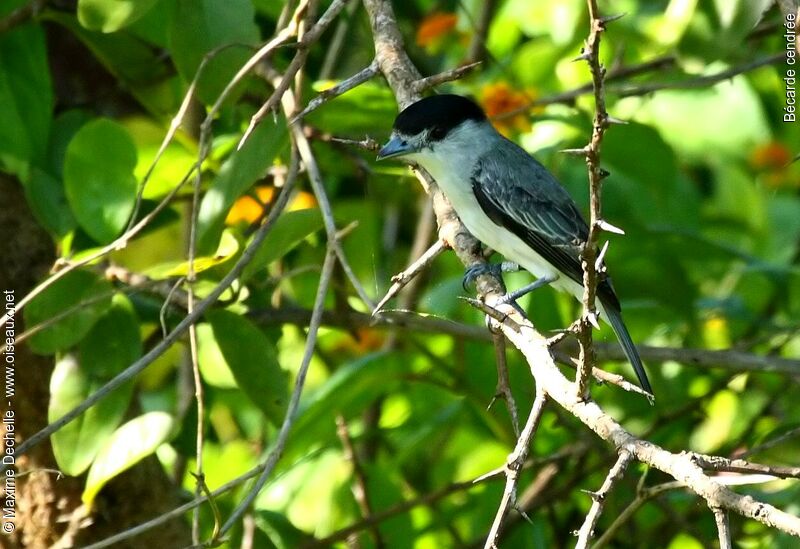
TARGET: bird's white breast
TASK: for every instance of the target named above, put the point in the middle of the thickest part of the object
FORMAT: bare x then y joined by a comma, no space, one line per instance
452,170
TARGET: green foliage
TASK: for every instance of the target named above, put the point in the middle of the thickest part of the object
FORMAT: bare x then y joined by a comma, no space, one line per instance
70,307
111,15
75,446
133,441
98,178
252,359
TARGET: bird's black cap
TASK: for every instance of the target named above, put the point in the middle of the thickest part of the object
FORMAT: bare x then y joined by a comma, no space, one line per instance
438,113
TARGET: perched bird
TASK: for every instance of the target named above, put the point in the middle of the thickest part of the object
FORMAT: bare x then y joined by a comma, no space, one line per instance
505,198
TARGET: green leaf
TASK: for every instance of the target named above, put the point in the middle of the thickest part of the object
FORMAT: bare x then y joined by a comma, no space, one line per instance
46,198
113,343
238,173
289,230
279,530
98,177
26,96
86,295
200,26
131,443
76,444
111,15
253,360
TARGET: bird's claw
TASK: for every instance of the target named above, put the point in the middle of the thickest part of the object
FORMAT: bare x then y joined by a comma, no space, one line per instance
478,269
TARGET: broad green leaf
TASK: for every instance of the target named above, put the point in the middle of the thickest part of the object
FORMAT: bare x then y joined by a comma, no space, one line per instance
48,201
26,97
98,177
279,530
253,360
200,26
175,161
129,444
237,174
111,15
83,296
45,188
113,343
76,444
289,230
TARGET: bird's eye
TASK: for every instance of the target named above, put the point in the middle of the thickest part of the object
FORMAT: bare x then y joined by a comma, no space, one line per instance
437,133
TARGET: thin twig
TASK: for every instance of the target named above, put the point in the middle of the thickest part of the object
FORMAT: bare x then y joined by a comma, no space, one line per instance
193,355
404,277
700,81
719,464
424,84
591,53
294,401
723,528
360,485
503,388
599,499
309,38
643,496
477,45
771,443
513,466
365,74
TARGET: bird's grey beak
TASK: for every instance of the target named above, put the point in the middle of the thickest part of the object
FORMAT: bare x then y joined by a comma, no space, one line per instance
395,147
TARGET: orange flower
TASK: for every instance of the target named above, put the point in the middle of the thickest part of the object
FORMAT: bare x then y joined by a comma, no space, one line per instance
434,27
248,210
500,98
772,161
770,156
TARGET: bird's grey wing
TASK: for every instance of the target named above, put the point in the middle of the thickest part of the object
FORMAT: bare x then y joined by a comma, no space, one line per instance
528,201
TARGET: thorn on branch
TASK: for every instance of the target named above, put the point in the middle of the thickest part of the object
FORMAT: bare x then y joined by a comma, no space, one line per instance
583,151
611,120
585,55
608,227
603,173
612,18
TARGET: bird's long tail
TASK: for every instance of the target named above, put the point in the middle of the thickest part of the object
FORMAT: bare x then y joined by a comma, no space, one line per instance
614,317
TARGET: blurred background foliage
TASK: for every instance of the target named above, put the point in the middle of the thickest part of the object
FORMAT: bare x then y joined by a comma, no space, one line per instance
701,181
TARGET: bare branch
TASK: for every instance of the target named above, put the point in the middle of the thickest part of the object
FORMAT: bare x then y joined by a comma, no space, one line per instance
599,499
513,466
503,389
428,82
718,463
723,528
680,466
365,74
404,277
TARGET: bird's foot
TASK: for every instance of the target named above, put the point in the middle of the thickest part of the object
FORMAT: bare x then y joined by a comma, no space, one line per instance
511,297
495,269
